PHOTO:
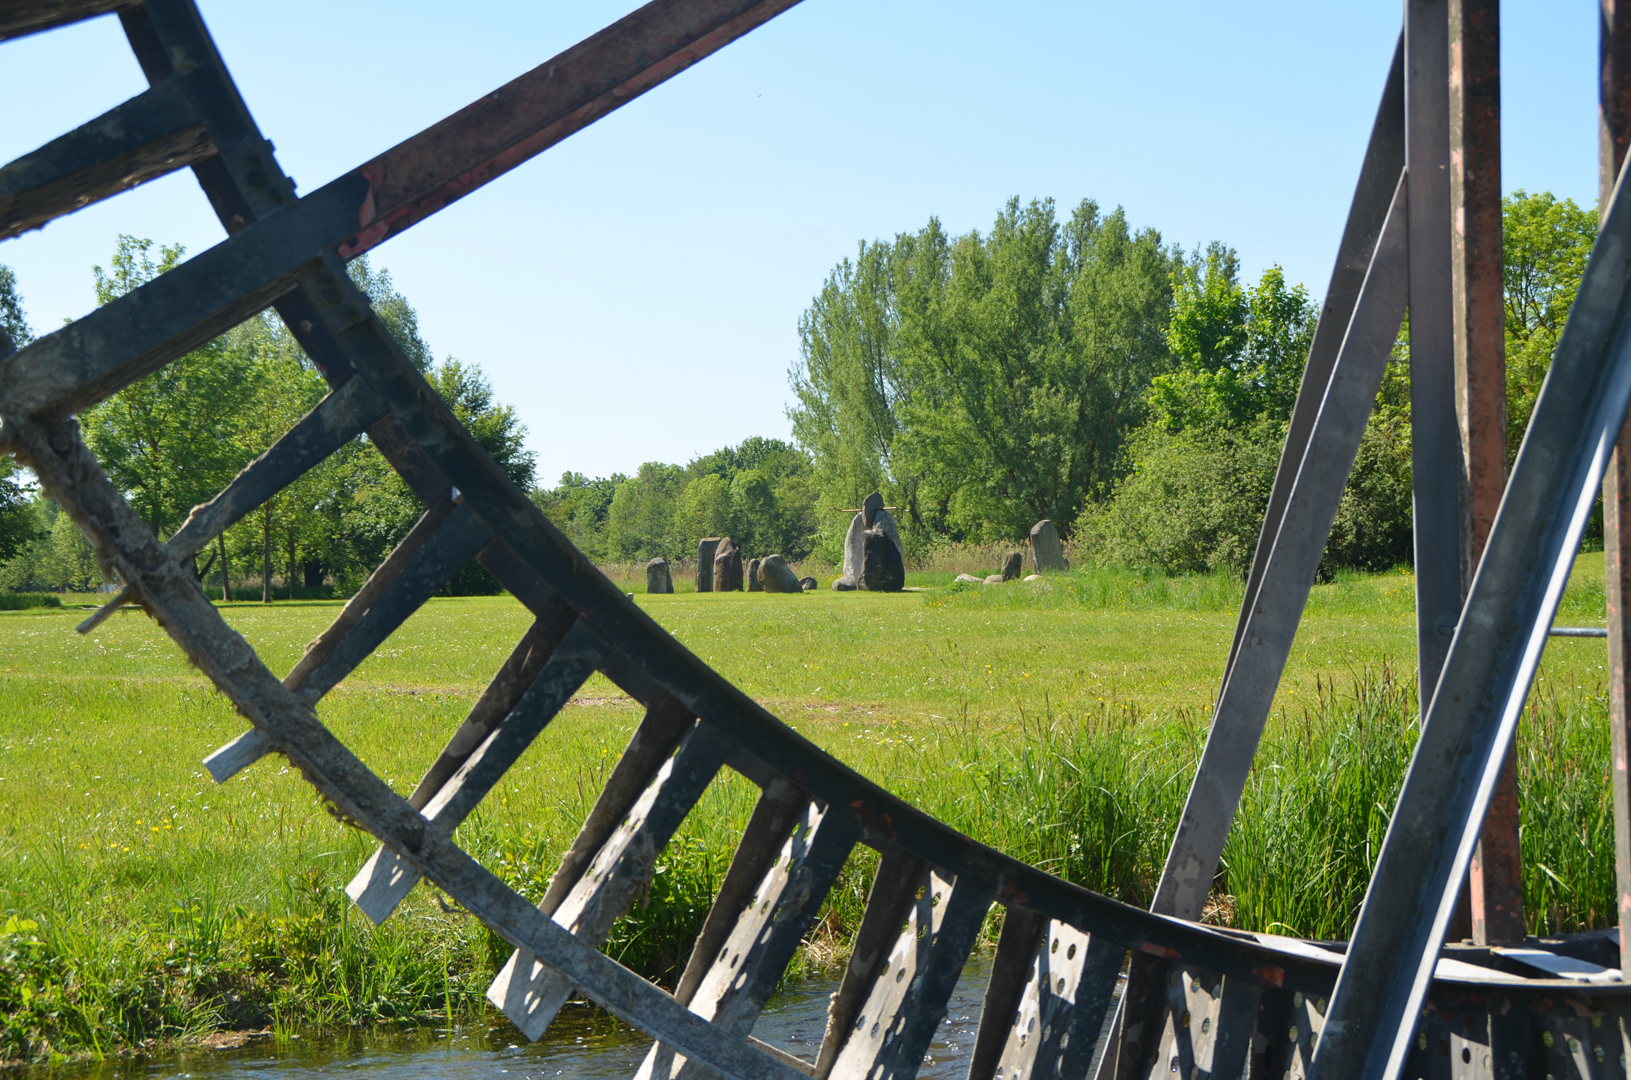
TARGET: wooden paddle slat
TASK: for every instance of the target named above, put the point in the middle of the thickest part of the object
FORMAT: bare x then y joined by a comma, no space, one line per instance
529,992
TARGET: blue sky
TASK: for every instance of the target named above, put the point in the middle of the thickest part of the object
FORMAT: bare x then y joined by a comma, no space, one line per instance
635,291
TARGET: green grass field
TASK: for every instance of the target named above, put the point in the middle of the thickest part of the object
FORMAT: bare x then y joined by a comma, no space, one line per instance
1058,721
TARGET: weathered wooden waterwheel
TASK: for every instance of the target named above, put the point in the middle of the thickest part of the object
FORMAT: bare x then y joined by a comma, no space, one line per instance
1199,1000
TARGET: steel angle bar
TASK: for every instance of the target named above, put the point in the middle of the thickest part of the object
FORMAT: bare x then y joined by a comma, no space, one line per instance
1435,443
21,17
1502,632
1271,622
154,133
214,291
1378,176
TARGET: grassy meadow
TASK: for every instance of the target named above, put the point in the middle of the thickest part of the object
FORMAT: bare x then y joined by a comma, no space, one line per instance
1059,721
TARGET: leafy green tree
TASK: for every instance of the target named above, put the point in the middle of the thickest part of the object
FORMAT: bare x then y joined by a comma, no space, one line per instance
706,508
982,382
1240,351
177,437
12,322
1546,244
640,519
465,390
18,523
578,506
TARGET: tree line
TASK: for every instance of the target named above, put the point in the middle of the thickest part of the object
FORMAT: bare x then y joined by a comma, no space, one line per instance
1081,370
1135,393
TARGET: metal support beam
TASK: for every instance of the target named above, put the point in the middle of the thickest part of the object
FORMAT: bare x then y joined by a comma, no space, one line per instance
1435,450
1495,883
1614,133
1473,713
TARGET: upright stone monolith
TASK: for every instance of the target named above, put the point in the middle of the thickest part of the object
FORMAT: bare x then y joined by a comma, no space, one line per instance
1046,551
778,576
727,567
866,563
854,551
754,584
705,563
658,579
1013,565
885,570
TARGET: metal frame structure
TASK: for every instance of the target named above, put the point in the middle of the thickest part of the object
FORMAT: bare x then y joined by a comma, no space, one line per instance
1199,1000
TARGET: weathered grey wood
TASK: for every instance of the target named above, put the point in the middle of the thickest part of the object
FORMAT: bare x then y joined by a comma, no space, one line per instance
889,901
502,695
20,17
1271,626
741,975
530,992
396,562
453,546
154,133
250,747
341,416
1054,1028
652,743
908,996
386,878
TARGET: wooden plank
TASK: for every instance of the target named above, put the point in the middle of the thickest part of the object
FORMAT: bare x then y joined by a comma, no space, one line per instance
254,744
740,976
1055,1028
890,900
154,133
20,17
341,416
530,992
652,743
908,996
500,698
120,342
386,878
446,553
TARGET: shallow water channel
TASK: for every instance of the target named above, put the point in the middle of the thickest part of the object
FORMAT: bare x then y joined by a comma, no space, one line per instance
580,1044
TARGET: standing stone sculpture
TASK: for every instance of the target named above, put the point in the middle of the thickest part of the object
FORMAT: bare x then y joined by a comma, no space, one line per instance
885,570
865,562
778,576
808,584
1013,565
658,579
1046,552
727,567
705,563
754,584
